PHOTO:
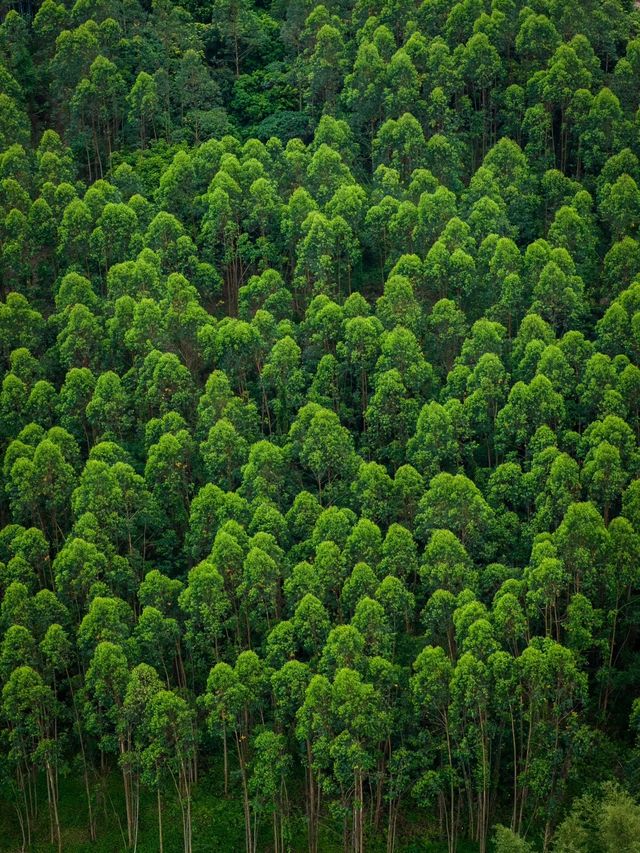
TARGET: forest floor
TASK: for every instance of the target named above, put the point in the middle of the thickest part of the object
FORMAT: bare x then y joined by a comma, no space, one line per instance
217,825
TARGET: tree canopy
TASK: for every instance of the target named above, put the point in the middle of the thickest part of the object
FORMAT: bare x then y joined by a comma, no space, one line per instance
319,424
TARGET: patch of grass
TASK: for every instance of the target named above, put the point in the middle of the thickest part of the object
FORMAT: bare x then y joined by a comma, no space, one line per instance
217,824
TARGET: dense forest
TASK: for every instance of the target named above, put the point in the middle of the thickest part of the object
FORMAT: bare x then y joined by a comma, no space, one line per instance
319,422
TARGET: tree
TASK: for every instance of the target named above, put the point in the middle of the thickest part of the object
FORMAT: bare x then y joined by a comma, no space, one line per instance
455,503
620,206
402,84
41,488
547,662
508,841
172,750
487,384
268,783
167,474
107,410
364,89
157,642
481,67
400,144
567,73
326,65
144,106
264,474
430,690
362,724
374,491
97,108
80,341
581,539
434,445
21,325
283,376
390,417
224,453
527,408
30,709
205,606
327,450
106,684
604,476
233,695
239,27
448,326
106,620
371,620
446,564
310,625
605,821
260,587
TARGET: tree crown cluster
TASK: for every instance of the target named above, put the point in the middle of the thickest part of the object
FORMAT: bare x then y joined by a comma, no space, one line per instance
319,417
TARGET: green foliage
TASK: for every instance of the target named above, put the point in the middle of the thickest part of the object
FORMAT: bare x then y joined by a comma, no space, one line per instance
319,422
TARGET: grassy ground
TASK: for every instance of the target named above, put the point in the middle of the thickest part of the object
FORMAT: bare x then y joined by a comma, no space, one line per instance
217,825
217,822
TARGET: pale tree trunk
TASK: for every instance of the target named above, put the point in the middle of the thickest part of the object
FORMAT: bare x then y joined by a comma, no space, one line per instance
128,798
312,804
53,807
225,758
358,813
248,834
159,801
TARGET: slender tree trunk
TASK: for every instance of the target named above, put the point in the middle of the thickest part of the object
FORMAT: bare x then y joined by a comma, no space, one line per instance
358,807
605,699
379,789
128,799
225,759
26,798
245,796
391,826
187,834
484,810
311,803
514,812
159,801
21,821
524,791
53,805
451,835
276,834
135,793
